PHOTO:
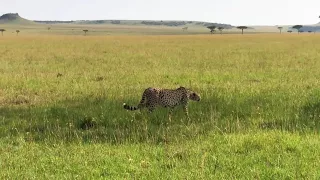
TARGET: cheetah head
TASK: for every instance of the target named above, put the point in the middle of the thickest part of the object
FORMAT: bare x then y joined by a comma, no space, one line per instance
194,96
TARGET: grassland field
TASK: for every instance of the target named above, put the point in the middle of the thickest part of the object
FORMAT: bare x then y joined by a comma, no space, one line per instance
123,29
258,117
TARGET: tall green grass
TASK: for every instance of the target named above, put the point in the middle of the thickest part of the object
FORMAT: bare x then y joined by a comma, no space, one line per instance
254,88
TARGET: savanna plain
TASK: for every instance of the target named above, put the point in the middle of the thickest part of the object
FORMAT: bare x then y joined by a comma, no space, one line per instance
61,114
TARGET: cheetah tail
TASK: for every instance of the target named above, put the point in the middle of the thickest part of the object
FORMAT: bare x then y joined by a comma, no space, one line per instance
131,108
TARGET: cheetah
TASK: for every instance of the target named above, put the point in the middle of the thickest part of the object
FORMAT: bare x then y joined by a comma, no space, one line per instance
168,98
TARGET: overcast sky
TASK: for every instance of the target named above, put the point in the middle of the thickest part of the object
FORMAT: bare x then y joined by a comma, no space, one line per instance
235,12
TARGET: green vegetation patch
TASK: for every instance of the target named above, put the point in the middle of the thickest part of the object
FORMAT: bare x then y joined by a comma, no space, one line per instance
61,113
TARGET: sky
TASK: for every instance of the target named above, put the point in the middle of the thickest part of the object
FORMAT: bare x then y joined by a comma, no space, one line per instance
234,12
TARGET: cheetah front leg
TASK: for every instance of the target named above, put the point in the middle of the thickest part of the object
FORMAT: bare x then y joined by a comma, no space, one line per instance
185,109
170,113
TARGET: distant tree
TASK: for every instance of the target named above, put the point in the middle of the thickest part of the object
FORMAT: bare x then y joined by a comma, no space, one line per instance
17,31
212,28
2,30
184,28
300,31
289,31
280,29
309,31
242,28
297,27
49,28
115,22
221,29
85,31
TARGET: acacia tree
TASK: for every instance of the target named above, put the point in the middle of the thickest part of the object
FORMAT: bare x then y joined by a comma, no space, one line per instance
289,31
2,30
184,28
242,28
17,31
85,31
212,28
297,27
221,29
280,29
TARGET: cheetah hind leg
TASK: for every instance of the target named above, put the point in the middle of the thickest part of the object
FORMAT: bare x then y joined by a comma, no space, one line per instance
141,106
151,108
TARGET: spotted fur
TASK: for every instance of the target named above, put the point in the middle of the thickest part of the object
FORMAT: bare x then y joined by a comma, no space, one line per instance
153,97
